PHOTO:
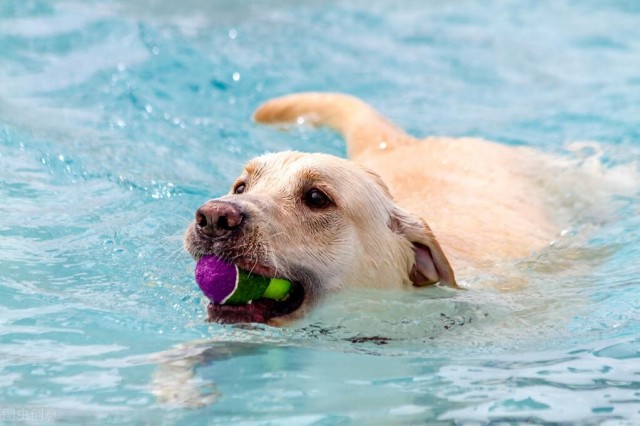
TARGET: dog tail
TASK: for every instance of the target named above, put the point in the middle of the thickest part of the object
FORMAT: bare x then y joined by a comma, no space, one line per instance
361,126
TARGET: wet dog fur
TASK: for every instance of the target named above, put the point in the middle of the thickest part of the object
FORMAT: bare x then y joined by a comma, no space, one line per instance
399,213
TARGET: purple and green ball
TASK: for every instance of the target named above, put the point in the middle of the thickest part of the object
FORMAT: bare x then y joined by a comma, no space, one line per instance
225,284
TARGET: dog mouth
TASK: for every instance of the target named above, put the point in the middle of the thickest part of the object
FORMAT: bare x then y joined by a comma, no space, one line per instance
259,310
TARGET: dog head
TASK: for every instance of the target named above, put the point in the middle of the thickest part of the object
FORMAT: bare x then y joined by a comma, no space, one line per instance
323,223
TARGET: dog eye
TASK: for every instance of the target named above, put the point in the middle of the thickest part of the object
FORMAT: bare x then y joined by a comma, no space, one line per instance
239,189
316,199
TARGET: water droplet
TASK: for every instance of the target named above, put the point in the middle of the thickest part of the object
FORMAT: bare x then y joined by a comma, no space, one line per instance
233,34
148,108
236,76
155,50
61,157
383,145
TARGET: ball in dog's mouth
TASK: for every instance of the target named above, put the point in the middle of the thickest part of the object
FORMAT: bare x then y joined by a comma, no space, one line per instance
238,296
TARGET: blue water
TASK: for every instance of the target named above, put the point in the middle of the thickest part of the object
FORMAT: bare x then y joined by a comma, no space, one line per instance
119,118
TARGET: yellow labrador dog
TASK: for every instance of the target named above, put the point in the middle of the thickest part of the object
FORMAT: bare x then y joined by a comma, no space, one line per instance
401,212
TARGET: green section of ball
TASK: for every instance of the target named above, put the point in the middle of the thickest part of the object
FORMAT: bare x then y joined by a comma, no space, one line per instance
250,287
278,289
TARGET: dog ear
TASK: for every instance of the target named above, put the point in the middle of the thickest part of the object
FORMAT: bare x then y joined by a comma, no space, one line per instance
430,264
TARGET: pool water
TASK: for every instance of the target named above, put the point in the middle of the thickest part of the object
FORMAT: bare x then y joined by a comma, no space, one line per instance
119,118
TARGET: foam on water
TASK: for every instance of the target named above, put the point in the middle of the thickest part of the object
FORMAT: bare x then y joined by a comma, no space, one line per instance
119,118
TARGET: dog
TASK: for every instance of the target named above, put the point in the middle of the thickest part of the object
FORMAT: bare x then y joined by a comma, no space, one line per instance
399,213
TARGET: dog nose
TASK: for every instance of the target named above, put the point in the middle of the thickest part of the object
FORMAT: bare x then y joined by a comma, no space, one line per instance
217,218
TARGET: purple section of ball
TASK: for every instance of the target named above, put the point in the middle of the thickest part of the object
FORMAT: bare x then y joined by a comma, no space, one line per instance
216,278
